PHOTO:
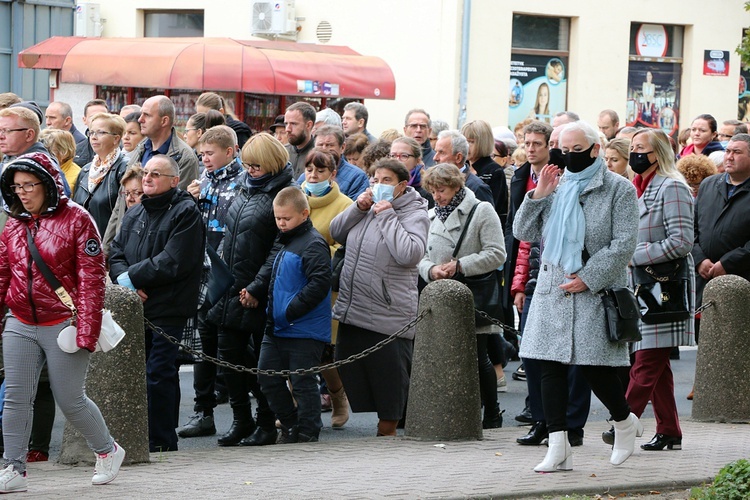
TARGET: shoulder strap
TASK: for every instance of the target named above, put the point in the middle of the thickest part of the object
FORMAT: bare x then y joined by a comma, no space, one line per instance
60,291
466,227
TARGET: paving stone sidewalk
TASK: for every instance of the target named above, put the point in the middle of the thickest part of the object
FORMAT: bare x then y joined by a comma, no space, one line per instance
495,467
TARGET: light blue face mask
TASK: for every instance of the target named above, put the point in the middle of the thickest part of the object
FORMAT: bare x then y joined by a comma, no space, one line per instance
724,144
318,188
382,192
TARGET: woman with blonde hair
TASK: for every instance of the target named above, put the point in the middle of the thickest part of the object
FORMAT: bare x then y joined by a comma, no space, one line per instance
665,239
98,184
478,134
616,157
250,233
62,145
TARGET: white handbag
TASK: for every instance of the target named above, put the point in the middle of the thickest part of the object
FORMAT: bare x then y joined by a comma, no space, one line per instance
111,335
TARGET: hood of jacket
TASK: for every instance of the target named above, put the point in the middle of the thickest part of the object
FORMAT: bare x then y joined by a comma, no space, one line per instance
42,166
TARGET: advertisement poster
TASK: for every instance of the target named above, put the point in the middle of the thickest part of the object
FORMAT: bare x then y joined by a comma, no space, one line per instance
716,62
654,96
743,102
538,87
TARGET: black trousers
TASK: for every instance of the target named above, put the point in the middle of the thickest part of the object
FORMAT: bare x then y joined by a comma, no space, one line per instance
603,381
487,376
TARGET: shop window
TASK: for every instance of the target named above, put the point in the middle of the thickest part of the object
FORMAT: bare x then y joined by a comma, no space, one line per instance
539,65
116,97
173,23
261,111
654,75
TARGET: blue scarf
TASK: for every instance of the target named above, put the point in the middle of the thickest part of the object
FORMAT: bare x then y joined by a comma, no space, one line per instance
565,230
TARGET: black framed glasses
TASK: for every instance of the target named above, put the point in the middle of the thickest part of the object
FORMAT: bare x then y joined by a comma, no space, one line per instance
401,156
252,167
6,131
136,193
27,187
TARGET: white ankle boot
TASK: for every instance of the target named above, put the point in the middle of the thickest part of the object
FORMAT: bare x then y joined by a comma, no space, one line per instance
559,455
625,434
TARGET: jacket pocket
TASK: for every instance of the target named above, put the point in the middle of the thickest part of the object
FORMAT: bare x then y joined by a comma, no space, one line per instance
386,295
544,280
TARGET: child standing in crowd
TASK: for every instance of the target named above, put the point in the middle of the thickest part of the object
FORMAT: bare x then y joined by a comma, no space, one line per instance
297,277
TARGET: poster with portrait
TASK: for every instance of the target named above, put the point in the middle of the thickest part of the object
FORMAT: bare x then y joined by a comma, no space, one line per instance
654,96
538,87
743,99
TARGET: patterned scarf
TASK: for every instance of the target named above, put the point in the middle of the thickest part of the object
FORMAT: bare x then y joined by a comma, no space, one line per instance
100,168
442,213
218,189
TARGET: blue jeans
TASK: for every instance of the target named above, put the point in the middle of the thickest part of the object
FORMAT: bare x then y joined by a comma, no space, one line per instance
163,388
279,353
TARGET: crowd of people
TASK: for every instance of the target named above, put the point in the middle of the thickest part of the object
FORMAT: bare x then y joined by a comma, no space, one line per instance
329,235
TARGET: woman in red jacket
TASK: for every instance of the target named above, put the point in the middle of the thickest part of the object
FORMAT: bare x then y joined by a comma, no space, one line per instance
69,244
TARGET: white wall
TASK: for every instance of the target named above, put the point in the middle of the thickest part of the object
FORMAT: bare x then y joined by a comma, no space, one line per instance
420,40
77,95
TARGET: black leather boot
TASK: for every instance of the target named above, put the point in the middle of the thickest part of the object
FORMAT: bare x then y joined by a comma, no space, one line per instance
536,436
242,426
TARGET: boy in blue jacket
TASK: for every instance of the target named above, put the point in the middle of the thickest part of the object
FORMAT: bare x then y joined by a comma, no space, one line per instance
297,278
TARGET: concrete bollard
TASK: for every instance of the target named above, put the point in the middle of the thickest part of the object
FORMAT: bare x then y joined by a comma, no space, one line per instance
444,402
722,385
116,382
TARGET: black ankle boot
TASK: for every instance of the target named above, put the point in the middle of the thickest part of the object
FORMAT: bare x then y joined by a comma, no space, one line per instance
242,426
493,419
661,440
536,436
609,436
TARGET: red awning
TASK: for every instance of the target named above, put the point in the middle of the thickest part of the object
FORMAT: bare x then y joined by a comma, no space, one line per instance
224,64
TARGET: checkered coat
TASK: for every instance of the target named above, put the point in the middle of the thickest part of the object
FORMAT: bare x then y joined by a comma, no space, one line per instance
665,232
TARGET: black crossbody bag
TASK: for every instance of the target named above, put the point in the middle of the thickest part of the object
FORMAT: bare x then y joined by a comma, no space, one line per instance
663,291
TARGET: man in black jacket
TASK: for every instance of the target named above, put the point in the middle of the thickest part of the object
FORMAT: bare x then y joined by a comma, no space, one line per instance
158,253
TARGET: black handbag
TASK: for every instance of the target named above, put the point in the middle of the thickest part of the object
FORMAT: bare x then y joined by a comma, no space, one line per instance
622,315
220,279
484,287
663,291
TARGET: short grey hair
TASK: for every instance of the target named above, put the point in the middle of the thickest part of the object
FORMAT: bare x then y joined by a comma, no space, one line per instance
65,110
438,126
459,144
329,117
591,133
169,161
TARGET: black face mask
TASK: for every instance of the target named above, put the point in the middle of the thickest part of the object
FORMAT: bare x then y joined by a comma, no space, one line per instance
577,161
639,162
557,158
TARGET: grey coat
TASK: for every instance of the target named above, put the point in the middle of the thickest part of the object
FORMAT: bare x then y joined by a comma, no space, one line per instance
378,287
570,328
665,232
483,247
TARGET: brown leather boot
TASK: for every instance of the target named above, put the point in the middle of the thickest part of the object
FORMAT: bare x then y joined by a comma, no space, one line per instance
387,427
340,405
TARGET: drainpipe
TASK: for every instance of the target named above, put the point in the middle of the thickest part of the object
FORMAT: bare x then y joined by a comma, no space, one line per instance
464,78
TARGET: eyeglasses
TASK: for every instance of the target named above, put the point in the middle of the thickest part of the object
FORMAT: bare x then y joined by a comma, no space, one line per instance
252,167
135,194
28,187
191,129
401,156
99,133
724,136
6,131
418,125
495,155
156,175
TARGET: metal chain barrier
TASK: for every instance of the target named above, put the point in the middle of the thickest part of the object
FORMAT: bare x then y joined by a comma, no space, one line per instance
286,373
497,322
704,307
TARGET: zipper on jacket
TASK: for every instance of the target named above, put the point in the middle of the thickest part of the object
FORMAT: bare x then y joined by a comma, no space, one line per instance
30,280
231,250
385,293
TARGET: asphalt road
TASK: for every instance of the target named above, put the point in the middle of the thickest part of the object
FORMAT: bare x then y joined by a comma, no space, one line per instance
364,424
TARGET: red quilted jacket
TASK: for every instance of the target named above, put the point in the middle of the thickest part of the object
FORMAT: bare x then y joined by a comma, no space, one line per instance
69,243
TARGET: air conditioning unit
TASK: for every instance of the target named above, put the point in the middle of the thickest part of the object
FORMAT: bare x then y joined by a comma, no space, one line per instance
273,18
88,20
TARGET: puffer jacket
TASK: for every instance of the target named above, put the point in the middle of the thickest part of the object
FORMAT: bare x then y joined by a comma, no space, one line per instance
69,243
248,239
101,201
378,288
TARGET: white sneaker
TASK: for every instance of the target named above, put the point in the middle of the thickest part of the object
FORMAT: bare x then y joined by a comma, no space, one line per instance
12,481
502,384
108,465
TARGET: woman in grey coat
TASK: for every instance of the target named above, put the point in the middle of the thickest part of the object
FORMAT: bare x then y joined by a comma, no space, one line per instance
665,233
482,251
385,233
588,227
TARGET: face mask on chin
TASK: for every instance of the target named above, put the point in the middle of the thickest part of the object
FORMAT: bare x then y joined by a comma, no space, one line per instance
578,161
318,188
